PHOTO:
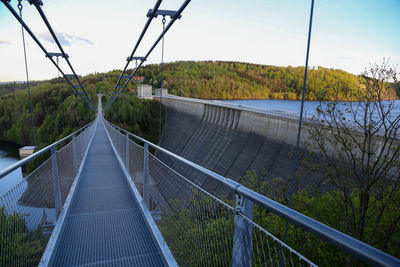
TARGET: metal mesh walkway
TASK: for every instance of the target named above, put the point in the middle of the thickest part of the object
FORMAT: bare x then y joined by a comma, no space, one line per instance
104,225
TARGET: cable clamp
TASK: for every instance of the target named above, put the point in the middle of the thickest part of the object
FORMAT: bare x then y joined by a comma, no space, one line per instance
170,13
57,55
19,5
135,58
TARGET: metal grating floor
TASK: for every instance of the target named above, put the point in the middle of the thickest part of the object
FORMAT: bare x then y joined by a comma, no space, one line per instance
104,226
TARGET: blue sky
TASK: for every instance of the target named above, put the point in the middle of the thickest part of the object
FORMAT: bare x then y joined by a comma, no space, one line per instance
99,35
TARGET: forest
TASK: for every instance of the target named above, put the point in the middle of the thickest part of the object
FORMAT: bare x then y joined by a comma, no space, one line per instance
7,88
56,113
140,117
58,110
235,80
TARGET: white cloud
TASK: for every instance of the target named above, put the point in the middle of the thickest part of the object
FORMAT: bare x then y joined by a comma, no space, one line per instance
4,42
65,39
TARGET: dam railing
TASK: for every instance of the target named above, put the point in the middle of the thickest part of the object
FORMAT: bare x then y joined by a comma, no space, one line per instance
30,210
203,228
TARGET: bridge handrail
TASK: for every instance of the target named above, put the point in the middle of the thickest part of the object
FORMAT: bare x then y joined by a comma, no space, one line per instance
340,240
24,161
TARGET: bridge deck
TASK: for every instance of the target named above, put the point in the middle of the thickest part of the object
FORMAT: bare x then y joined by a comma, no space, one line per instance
104,226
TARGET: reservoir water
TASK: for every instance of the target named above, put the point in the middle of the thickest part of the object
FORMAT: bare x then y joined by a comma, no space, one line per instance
33,216
8,156
292,107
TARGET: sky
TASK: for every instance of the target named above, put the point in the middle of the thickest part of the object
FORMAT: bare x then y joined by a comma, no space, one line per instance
99,35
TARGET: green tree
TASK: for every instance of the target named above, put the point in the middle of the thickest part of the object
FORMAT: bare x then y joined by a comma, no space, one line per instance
19,246
361,158
137,116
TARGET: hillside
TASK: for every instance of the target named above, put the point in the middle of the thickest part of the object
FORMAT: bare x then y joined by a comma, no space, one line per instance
235,80
58,111
226,80
11,87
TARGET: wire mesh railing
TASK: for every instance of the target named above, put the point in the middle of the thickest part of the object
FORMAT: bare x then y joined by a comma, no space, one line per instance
199,228
29,211
203,228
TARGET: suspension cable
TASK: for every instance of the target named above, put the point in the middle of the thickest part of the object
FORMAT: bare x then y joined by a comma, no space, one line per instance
146,26
296,158
174,17
14,13
27,76
59,92
162,77
37,4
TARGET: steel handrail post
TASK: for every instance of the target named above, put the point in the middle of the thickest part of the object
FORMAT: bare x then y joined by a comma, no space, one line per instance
74,154
56,182
243,232
127,152
146,193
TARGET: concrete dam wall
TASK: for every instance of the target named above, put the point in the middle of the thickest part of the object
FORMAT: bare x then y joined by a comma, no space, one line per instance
227,139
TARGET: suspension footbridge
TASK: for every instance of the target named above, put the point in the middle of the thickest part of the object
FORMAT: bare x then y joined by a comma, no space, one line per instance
103,223
104,197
